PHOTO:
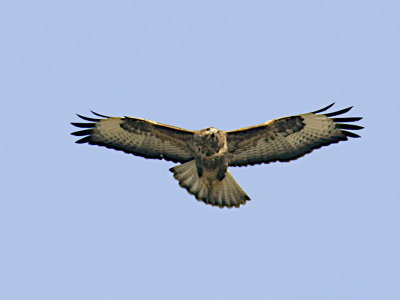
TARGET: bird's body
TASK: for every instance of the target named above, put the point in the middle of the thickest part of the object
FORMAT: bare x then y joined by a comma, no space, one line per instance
207,176
206,154
211,152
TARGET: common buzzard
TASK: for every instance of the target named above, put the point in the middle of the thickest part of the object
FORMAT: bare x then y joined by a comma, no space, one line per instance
205,155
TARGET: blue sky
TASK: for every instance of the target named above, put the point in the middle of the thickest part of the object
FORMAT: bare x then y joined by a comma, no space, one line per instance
84,222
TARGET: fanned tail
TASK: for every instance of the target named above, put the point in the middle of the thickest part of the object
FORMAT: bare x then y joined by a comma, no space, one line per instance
224,193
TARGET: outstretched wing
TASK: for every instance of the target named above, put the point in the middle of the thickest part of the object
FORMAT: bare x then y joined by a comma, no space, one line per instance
137,136
289,138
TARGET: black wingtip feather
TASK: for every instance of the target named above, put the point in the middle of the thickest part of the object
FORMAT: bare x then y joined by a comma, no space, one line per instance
323,109
350,134
84,125
349,126
352,119
88,119
99,115
86,139
339,112
339,122
82,132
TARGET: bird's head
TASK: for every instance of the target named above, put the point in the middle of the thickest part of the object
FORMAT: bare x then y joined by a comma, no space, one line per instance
210,140
209,131
208,134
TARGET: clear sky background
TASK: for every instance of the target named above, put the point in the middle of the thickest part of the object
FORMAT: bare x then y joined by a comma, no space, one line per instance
84,222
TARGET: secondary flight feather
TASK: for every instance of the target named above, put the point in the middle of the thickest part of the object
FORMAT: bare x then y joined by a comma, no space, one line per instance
205,155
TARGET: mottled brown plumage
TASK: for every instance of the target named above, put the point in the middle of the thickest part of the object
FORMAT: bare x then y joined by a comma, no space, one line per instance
206,154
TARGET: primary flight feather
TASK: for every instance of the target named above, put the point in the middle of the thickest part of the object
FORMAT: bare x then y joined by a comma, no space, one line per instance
205,155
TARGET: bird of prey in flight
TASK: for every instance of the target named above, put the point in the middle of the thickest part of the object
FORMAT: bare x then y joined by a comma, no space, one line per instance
205,155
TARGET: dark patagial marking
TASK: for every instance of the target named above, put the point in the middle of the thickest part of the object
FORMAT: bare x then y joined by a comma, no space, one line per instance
147,128
134,126
289,125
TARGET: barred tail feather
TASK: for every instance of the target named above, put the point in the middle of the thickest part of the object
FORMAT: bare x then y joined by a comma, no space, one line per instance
224,193
187,176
